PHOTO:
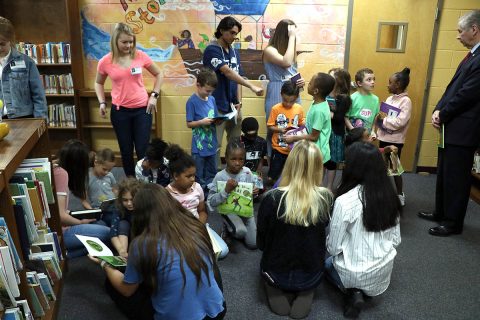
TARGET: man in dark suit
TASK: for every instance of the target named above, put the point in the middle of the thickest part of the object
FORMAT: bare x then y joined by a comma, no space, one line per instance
458,112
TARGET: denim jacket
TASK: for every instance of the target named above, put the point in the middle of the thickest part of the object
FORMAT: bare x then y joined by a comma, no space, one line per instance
21,88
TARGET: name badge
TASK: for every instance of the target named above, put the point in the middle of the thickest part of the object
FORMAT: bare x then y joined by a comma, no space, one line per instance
20,64
137,70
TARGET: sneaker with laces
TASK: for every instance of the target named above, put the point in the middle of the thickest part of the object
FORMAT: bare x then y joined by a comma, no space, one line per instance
401,197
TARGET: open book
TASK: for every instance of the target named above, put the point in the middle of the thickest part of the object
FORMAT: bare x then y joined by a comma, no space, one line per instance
228,116
96,248
87,214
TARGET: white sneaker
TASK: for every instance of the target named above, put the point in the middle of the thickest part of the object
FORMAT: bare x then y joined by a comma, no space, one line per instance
401,197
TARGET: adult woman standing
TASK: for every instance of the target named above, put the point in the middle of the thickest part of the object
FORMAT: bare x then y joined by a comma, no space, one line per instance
172,257
21,89
279,58
132,108
291,232
71,176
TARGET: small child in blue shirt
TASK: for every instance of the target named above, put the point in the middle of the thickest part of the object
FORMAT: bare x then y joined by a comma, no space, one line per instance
154,167
201,112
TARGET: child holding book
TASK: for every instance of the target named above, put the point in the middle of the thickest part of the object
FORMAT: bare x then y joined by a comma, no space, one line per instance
365,228
319,126
154,167
365,105
235,172
284,115
393,129
201,113
188,192
291,233
122,218
101,182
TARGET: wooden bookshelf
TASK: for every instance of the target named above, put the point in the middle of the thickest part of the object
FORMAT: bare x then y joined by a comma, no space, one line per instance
27,138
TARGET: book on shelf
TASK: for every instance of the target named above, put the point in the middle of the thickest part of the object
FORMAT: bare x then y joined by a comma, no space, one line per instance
96,248
13,314
36,305
6,295
50,52
23,201
7,240
22,229
57,83
62,116
9,271
32,279
51,262
46,286
239,201
25,308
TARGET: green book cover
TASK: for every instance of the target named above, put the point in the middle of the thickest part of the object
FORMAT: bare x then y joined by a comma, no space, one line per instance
114,261
239,201
45,178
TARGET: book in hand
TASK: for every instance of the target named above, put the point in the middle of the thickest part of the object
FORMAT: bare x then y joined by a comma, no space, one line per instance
96,248
295,78
87,214
105,205
441,137
296,131
390,111
239,201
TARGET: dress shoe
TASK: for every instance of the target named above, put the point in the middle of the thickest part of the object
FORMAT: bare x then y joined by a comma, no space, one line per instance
428,216
444,231
354,303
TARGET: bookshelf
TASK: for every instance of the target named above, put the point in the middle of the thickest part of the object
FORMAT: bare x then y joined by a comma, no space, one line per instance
27,138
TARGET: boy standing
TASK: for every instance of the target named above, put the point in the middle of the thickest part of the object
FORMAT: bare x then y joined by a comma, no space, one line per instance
283,116
201,111
319,126
365,105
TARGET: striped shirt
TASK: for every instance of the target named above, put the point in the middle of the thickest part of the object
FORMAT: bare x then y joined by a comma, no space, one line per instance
363,259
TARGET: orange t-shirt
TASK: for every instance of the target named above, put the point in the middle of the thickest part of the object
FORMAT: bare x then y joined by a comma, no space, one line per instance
128,89
282,117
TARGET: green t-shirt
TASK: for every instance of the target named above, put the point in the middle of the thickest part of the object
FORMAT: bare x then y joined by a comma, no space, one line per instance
318,118
364,110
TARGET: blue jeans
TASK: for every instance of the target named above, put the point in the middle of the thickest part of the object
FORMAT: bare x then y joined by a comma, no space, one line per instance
294,280
132,127
332,274
75,247
206,169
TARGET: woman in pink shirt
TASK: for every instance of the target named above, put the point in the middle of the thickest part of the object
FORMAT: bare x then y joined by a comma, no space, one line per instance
132,108
394,128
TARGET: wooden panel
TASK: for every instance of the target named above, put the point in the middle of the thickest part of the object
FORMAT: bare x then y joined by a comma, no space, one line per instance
37,22
416,57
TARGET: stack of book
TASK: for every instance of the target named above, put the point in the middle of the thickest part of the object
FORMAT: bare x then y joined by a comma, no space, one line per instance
32,193
50,52
57,83
62,115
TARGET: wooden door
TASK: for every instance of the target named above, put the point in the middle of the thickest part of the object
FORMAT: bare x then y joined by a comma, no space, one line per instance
420,16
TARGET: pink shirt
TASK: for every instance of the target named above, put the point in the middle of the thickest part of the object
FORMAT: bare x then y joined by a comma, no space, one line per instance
189,200
398,125
128,89
60,176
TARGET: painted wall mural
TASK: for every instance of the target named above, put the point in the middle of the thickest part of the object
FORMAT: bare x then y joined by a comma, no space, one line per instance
174,32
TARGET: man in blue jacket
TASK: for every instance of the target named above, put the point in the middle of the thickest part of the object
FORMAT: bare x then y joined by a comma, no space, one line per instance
21,89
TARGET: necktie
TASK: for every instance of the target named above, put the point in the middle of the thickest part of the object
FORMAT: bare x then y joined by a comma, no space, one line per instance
469,54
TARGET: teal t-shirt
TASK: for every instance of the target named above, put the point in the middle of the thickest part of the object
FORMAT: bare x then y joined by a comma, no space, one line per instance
318,118
364,110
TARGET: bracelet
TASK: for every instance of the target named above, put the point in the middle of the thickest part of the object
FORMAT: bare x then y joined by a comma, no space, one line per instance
102,264
154,94
103,103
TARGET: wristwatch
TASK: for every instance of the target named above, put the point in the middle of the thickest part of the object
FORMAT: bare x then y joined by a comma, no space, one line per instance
154,94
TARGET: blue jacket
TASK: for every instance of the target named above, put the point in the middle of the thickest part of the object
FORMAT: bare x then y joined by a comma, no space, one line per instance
21,88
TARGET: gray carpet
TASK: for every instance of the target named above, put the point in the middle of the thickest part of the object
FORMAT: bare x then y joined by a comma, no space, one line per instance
433,278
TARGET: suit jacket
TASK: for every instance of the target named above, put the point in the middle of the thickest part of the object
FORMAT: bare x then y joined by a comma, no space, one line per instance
460,104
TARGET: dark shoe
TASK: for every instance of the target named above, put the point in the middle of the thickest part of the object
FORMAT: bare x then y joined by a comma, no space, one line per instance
444,231
428,216
354,303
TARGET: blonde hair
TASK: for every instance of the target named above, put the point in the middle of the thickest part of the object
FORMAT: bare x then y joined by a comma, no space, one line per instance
306,202
7,31
117,31
104,155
